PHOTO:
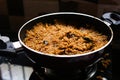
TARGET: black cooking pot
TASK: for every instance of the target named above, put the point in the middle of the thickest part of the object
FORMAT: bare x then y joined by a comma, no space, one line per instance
65,61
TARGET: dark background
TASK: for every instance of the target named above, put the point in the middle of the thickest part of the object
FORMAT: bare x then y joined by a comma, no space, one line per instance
14,13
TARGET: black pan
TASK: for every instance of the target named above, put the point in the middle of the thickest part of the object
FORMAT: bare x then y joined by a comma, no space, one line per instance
66,61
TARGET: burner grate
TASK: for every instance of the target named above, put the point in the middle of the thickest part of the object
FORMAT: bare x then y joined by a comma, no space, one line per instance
48,74
100,71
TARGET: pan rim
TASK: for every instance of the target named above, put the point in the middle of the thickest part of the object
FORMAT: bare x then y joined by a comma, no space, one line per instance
60,13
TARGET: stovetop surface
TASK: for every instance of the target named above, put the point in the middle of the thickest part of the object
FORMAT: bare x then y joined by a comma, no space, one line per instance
104,67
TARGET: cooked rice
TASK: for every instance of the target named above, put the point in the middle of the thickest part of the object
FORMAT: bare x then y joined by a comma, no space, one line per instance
60,39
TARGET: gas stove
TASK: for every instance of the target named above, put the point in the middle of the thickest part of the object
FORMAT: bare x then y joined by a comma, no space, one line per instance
102,70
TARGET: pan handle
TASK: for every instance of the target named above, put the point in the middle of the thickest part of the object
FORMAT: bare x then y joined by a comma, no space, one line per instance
17,46
111,18
10,49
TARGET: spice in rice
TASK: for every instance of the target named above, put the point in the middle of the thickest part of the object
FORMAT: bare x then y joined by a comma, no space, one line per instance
61,39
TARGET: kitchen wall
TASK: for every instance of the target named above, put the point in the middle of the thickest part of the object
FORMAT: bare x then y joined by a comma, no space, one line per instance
14,13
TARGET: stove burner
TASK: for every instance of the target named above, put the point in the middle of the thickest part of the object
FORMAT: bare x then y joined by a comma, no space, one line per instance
49,74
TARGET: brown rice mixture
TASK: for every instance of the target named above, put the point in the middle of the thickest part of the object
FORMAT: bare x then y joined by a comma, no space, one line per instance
60,39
